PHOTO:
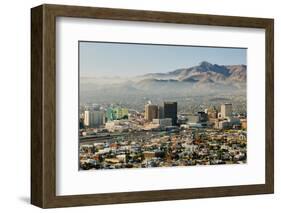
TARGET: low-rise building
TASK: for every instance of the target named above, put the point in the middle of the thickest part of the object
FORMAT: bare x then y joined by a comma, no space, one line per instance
163,123
224,124
243,123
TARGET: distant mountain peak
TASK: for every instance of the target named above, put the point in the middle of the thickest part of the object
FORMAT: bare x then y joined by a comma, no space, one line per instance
205,64
204,73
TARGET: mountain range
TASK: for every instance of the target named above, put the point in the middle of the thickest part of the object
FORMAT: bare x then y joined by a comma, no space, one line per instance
202,80
205,72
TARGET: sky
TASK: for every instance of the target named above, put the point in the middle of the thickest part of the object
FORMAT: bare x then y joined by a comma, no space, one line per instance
122,59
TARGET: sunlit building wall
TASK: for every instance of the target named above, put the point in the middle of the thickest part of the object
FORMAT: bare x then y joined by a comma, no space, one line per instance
226,110
150,112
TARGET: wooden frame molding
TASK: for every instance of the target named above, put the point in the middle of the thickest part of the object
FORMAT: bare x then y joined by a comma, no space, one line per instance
43,105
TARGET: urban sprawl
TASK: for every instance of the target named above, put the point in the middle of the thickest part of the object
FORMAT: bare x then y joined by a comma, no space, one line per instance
113,137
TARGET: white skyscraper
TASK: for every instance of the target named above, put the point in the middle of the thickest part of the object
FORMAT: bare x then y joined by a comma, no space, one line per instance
226,110
87,118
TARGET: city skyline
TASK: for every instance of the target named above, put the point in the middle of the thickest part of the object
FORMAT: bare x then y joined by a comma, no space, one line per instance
124,138
94,58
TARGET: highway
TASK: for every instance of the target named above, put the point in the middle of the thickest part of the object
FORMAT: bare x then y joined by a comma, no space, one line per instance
104,138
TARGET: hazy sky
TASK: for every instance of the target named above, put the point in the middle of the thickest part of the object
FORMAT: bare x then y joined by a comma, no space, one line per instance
121,59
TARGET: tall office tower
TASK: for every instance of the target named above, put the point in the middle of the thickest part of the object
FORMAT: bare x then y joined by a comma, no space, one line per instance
226,110
94,118
98,118
150,112
87,118
110,115
81,123
170,111
160,112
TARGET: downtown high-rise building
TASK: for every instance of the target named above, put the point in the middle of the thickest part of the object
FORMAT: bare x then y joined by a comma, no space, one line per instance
94,118
226,110
150,112
116,113
160,112
171,111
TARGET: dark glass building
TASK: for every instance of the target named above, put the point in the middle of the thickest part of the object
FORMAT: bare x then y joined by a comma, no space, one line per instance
171,111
